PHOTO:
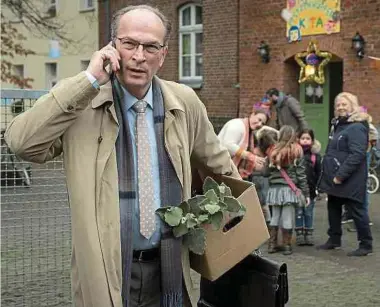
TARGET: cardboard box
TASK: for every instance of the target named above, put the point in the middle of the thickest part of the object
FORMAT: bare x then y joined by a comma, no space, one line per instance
225,249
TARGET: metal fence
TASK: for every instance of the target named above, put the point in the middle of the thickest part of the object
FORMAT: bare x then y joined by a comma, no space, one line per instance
35,222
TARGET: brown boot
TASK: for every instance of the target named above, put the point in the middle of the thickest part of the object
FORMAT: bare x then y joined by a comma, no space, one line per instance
287,248
280,240
272,245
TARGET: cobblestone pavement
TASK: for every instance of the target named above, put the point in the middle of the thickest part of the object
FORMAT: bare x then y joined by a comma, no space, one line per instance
35,255
331,279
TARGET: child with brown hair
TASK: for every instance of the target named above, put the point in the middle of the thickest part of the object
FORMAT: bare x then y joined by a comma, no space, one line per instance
305,216
287,187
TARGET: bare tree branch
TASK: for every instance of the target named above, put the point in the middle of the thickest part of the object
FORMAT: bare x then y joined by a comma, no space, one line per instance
11,46
32,15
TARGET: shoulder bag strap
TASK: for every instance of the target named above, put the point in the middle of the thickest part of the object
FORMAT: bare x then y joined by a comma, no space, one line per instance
313,159
289,181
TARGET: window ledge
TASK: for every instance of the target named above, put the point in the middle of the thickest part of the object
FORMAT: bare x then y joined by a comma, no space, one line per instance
15,20
193,83
85,10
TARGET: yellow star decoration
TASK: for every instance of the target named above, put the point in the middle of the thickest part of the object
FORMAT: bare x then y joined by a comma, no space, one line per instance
311,72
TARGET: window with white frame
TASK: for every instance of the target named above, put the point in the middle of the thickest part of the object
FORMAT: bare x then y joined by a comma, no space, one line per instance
86,5
18,70
51,8
190,43
51,74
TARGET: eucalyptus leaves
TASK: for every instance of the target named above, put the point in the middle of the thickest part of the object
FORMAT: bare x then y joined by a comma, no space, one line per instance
190,217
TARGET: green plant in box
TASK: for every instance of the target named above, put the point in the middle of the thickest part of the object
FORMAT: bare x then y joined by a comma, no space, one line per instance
191,217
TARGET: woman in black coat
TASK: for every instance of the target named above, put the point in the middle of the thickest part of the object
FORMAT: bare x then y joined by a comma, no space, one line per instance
344,173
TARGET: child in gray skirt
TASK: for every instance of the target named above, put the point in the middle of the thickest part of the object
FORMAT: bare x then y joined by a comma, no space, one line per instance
287,155
265,139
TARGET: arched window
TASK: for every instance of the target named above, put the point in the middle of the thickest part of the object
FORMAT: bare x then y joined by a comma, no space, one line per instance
190,44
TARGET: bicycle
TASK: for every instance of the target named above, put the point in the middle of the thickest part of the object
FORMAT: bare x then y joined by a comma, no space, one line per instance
373,182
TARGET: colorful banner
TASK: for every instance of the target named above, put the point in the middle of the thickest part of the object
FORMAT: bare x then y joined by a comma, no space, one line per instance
311,17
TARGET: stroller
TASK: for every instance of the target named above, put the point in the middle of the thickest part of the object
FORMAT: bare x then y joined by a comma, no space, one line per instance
14,171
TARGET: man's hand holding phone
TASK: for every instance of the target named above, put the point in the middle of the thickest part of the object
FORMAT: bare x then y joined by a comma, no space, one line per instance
107,56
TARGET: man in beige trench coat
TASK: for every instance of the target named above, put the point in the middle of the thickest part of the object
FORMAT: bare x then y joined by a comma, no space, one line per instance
82,117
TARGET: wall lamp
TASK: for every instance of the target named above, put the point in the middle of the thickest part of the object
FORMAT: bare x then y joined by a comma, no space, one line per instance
358,44
263,51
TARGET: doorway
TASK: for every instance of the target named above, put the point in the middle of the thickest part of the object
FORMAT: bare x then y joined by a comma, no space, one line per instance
317,101
336,84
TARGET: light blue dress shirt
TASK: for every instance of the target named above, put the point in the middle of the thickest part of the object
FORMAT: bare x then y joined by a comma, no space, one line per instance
139,241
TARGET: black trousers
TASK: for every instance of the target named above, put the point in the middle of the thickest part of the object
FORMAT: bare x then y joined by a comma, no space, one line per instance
145,288
358,213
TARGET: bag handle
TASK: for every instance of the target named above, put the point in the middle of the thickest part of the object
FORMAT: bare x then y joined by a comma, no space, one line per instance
290,182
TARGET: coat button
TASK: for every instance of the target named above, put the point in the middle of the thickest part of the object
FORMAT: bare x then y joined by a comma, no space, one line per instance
70,108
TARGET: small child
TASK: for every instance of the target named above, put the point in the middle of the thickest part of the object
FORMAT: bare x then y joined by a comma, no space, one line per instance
266,137
304,216
286,168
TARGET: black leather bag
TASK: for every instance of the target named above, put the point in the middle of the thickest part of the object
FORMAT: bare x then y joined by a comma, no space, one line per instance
254,282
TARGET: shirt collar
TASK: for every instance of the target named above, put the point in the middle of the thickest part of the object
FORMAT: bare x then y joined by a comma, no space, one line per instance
130,100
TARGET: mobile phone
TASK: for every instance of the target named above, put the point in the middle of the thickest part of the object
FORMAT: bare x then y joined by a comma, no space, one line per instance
112,76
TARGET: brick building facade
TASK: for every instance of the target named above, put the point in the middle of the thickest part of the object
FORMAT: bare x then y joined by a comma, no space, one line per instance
234,77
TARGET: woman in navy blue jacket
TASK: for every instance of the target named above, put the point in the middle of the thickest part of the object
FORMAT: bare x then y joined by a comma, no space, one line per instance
344,173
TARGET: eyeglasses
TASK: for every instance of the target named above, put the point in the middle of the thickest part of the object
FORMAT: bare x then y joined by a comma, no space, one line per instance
129,44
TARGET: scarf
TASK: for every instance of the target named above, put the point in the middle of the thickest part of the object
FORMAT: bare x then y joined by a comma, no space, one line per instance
281,98
171,194
306,148
245,167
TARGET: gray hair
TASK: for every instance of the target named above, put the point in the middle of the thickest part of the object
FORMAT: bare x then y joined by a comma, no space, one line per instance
118,14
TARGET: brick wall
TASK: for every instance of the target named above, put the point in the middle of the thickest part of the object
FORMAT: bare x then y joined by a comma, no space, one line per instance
221,77
261,20
232,31
220,50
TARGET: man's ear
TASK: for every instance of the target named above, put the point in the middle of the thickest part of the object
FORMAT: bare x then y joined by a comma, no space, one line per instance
164,53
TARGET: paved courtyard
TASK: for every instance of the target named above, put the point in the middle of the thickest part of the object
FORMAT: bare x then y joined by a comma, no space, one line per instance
331,279
36,246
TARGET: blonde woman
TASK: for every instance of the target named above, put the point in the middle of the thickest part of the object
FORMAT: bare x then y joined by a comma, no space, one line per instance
344,173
